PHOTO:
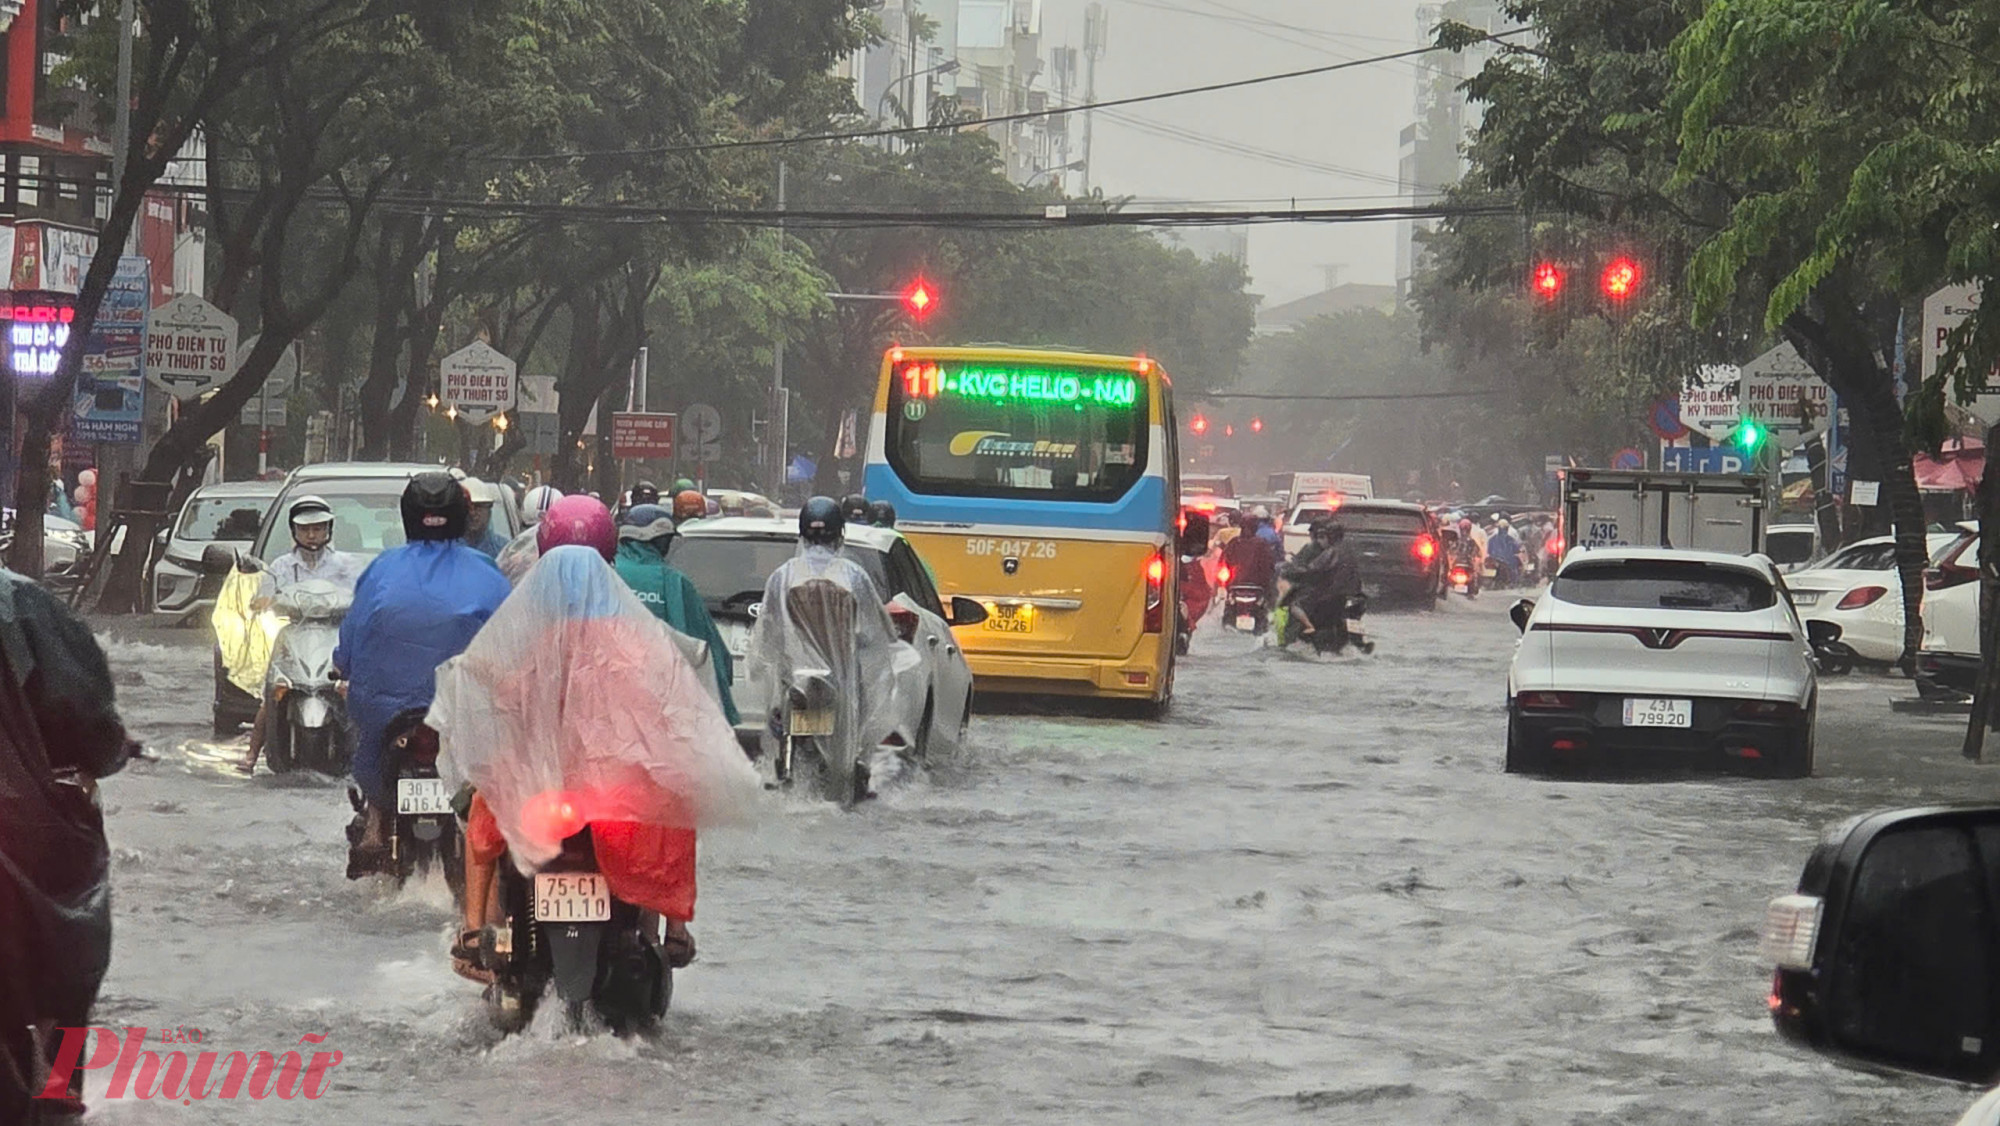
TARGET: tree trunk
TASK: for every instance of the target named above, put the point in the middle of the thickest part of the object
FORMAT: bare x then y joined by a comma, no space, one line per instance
1987,688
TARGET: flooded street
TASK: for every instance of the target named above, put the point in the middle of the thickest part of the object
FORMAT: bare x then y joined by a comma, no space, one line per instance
1310,894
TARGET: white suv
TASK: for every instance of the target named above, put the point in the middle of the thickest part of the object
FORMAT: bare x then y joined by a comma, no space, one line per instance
1661,658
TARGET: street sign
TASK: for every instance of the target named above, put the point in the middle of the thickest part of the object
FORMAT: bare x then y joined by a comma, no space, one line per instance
538,395
1778,387
701,433
636,435
541,432
478,381
1714,459
284,373
1709,399
190,346
1944,311
1628,458
111,389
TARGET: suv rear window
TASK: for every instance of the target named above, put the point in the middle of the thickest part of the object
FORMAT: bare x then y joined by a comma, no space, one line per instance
1659,584
1388,521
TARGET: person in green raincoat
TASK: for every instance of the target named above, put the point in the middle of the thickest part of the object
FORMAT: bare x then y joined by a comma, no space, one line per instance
643,537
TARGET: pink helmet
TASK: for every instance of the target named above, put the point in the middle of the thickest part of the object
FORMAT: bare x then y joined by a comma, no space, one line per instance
578,520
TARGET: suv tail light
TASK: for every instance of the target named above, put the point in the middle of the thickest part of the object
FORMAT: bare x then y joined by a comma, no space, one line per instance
1766,709
1156,588
1426,548
1861,596
905,621
1548,701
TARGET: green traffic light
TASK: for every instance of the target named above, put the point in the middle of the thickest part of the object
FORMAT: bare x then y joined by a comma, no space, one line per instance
1749,436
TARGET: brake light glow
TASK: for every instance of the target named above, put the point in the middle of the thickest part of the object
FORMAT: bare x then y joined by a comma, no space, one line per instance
1791,930
1222,573
1156,588
1426,548
1861,596
552,818
905,620
1460,575
1548,701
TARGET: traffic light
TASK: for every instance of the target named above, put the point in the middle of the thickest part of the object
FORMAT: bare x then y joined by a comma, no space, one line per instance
1199,425
1548,280
1620,280
1749,436
920,299
1257,425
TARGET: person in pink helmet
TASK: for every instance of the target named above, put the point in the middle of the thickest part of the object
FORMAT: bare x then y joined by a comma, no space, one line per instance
580,520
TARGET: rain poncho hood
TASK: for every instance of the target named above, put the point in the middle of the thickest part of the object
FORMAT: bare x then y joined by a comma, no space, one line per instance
518,556
803,623
56,717
415,607
576,705
675,601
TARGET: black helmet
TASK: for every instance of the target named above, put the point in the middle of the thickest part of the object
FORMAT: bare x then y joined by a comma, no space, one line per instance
822,523
647,523
882,514
435,507
1326,528
854,507
645,492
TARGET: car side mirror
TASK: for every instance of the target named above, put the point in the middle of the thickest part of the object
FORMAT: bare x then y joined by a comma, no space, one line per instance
1885,954
1520,613
217,559
966,611
165,536
1821,634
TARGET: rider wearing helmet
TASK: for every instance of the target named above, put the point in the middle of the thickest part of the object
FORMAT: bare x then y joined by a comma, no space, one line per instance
537,502
312,559
479,533
643,538
683,485
853,644
689,505
578,520
854,509
645,492
882,514
416,606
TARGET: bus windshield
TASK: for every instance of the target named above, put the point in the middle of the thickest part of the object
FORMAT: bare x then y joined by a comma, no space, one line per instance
1005,429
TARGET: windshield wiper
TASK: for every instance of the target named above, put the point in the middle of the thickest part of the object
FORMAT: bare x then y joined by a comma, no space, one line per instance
1685,602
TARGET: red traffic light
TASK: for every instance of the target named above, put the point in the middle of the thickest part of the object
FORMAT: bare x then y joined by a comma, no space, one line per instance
1548,280
1198,424
1257,425
920,299
1621,278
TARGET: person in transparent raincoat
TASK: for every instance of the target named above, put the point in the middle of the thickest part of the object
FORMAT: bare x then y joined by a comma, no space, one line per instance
822,611
574,706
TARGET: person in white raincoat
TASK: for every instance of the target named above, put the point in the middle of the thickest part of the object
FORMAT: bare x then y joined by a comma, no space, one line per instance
822,611
574,707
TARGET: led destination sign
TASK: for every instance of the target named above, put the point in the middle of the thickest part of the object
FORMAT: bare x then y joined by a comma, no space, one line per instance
1005,384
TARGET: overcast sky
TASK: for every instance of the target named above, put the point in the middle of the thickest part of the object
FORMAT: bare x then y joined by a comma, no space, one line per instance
1348,119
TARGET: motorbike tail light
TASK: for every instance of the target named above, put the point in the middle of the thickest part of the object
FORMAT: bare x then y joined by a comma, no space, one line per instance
1156,588
905,620
1222,573
1548,701
1766,709
1426,548
420,746
552,818
1460,575
1555,546
1861,596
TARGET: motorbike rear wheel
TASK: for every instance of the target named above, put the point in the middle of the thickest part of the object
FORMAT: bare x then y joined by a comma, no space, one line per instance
278,749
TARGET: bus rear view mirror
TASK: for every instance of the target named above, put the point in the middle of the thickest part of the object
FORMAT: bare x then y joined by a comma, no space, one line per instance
1887,954
966,611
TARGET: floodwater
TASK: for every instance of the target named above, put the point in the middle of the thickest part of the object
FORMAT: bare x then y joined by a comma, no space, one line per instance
1308,895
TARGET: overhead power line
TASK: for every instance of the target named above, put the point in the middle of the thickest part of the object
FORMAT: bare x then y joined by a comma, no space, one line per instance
996,119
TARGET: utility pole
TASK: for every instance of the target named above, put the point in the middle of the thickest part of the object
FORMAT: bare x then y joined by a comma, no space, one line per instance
1093,49
114,460
774,431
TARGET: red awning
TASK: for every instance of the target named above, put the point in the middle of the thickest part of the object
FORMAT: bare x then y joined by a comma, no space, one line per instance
1957,468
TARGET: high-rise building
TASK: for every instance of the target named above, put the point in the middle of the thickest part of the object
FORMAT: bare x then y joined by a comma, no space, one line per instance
1433,145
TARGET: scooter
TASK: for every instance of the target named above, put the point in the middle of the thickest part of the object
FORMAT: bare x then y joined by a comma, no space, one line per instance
428,835
308,726
1334,636
1247,607
563,927
807,723
1464,576
1195,596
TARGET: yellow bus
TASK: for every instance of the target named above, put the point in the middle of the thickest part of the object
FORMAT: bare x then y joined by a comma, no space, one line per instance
1044,485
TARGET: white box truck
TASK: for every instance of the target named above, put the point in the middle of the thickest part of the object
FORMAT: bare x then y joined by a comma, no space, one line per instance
1696,511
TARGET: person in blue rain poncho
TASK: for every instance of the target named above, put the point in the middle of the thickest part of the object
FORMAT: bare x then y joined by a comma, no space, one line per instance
415,607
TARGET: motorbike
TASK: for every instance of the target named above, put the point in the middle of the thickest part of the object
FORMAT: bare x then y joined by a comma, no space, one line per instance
1195,596
1345,630
1464,575
308,726
809,718
562,927
1245,606
428,836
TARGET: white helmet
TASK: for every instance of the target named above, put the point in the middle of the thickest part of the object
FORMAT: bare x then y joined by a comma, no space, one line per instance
537,502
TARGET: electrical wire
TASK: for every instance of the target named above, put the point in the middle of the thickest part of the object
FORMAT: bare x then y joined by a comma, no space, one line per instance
1253,152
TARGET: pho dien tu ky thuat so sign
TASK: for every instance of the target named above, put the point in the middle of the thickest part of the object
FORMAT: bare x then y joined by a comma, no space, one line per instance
478,381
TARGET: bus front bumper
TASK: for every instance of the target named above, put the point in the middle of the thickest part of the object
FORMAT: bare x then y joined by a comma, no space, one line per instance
1064,676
